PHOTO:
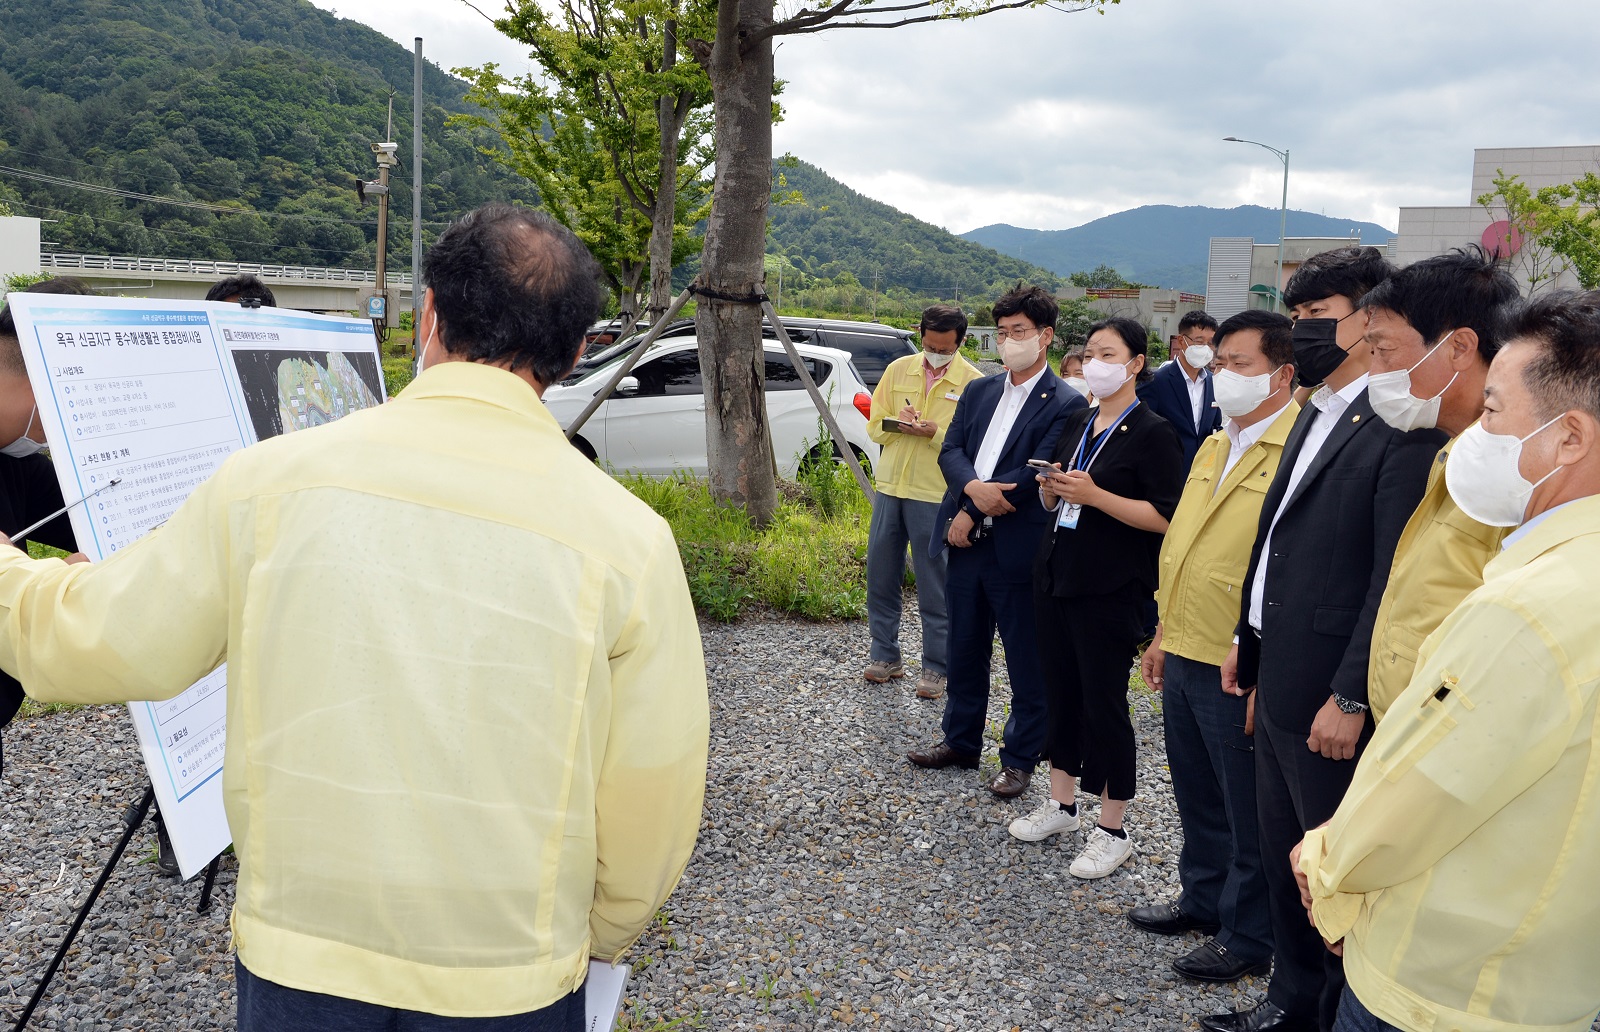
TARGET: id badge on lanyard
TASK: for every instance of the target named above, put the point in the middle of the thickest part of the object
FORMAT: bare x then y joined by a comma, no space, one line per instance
1070,512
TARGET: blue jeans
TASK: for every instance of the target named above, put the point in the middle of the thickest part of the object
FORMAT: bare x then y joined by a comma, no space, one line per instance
268,1007
897,523
1354,1017
1214,782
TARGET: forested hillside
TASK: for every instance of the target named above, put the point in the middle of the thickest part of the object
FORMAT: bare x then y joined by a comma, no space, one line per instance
268,106
830,230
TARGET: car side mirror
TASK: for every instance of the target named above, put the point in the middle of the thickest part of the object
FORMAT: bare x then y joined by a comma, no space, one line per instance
628,385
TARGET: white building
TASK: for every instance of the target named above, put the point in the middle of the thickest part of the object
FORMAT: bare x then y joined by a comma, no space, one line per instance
1425,232
19,247
1243,273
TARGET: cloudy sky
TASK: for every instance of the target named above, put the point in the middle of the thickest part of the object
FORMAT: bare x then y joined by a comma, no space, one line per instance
1048,120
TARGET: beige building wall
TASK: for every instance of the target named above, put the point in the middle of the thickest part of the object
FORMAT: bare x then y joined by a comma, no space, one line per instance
1425,232
1155,309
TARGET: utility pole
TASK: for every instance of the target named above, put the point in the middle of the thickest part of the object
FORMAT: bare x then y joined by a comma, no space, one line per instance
384,153
416,196
874,296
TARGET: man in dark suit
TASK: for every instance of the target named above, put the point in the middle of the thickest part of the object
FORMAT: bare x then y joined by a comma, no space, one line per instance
1344,489
1181,392
992,523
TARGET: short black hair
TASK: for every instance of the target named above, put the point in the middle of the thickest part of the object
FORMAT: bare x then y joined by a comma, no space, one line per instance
10,346
1134,335
943,319
1345,271
246,286
1196,318
1464,287
1566,373
1277,333
1034,302
511,284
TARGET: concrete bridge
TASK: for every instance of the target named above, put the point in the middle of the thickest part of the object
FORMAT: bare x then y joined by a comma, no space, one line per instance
303,287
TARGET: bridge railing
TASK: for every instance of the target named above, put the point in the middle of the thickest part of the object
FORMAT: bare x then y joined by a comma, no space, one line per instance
206,267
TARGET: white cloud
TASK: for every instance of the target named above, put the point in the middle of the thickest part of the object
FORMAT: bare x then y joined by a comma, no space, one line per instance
1048,120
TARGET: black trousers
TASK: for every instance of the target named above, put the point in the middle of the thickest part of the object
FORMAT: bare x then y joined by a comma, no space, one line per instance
1296,790
1086,647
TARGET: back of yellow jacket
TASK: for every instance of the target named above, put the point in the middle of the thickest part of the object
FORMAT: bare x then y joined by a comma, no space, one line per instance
1206,551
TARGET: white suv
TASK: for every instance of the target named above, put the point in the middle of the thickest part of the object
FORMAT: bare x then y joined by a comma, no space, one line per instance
655,423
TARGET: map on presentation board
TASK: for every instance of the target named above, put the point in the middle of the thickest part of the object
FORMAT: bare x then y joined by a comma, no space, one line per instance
157,394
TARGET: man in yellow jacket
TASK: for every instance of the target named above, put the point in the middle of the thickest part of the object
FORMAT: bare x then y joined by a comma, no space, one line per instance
1434,327
911,410
1458,875
1204,558
467,713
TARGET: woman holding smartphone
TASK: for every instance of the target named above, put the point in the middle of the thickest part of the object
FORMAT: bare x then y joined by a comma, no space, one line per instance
1114,481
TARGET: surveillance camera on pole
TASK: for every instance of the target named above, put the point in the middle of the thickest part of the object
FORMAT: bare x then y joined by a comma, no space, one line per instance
378,303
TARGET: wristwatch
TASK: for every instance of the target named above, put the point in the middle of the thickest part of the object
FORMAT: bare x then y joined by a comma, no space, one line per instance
1348,705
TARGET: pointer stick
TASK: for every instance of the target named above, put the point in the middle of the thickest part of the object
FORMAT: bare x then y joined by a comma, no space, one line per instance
19,535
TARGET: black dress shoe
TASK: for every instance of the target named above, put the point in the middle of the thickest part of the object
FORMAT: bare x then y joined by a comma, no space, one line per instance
1213,962
1012,782
1265,1016
1170,919
941,756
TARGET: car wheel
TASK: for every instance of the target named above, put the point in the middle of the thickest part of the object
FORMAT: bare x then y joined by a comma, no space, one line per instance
585,448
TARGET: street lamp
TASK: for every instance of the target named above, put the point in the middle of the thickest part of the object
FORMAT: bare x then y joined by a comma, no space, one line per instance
1283,214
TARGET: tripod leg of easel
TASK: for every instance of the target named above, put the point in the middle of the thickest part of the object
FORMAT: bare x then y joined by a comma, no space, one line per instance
211,880
132,817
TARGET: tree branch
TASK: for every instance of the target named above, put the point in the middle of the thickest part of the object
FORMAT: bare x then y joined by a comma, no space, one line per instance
807,22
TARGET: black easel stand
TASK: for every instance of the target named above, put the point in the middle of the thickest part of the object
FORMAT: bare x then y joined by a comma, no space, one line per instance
131,818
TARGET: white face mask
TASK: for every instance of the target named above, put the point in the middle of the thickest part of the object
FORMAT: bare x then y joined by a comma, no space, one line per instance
24,446
936,360
1483,478
1105,378
1199,356
1238,394
1020,355
1079,384
1391,398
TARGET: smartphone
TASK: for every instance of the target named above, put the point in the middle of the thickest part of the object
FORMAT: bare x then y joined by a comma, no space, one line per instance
1042,466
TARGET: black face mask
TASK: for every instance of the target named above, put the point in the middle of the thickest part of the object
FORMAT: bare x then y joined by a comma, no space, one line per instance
1316,354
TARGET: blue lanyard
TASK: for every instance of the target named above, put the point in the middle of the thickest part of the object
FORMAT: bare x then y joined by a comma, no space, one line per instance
1100,441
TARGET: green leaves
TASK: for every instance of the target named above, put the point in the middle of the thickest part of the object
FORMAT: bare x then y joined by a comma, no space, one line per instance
1559,225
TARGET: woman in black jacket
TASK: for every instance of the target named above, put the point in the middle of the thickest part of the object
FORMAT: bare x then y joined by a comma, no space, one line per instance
1116,476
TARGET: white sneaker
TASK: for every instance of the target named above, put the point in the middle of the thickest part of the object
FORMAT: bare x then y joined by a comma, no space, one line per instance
1049,819
1103,854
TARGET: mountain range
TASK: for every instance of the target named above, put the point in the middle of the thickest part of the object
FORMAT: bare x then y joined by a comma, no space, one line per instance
1162,244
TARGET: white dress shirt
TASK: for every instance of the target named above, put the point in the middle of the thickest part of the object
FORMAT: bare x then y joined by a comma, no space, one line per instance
1330,406
1197,391
1012,397
1241,441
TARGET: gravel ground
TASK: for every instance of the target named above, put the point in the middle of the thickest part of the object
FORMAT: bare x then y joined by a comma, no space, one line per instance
834,884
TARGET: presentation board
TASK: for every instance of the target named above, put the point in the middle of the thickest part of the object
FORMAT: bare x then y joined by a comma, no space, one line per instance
156,395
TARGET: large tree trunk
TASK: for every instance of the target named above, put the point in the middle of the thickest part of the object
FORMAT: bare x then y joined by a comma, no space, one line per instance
738,441
670,113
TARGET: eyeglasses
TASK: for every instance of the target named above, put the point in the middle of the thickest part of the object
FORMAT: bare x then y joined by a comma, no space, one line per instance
1192,342
1026,334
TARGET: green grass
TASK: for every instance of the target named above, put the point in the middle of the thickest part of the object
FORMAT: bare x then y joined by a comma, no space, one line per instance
810,561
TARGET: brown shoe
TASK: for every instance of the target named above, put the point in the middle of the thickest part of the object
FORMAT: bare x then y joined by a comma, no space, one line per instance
930,686
1012,782
879,672
941,756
